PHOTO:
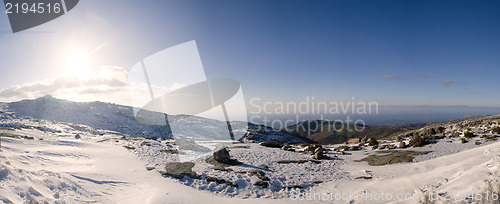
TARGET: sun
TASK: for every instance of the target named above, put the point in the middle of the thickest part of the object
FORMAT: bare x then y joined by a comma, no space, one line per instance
77,65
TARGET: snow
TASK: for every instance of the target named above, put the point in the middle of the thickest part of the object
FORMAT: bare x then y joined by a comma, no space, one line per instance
74,171
69,160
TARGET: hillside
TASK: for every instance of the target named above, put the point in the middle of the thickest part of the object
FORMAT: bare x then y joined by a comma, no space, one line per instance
106,118
329,132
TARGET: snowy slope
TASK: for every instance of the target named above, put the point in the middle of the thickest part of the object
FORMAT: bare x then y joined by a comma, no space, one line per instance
44,160
66,170
101,118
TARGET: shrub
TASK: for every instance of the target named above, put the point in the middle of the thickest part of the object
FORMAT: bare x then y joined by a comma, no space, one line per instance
418,141
272,144
469,134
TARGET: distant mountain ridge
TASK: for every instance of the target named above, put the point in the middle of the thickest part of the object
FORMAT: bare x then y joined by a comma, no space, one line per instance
119,118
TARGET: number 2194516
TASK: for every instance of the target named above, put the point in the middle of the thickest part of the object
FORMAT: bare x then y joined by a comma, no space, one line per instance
32,8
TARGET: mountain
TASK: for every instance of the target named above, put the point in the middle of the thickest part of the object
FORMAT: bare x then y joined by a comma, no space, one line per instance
100,118
329,132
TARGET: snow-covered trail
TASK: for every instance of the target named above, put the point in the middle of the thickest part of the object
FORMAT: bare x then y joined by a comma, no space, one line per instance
73,171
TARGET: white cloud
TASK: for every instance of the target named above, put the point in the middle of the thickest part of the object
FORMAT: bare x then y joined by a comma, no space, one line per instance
109,85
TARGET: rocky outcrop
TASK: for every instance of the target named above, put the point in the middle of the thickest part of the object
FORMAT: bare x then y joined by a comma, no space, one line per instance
221,155
180,169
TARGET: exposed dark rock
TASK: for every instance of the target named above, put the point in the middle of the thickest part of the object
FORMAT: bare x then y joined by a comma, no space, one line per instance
180,169
129,147
264,166
221,155
392,157
218,168
293,187
263,184
364,177
259,174
297,161
169,151
229,183
318,154
372,142
215,179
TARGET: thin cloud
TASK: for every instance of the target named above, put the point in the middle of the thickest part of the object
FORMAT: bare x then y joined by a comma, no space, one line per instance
424,75
110,85
447,83
393,77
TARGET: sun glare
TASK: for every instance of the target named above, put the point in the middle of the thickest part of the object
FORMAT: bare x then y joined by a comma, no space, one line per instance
76,65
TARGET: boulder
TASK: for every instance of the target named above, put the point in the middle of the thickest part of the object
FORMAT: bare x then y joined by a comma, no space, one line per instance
221,155
180,169
318,154
353,141
372,141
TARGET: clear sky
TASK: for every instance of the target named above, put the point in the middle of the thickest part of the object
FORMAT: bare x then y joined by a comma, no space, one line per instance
392,52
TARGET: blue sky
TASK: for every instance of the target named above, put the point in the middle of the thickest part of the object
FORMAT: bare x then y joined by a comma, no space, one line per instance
391,52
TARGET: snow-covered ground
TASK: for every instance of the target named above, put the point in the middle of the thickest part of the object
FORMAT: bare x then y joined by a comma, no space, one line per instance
51,161
58,168
68,170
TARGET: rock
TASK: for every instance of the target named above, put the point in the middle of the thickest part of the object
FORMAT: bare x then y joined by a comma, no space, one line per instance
129,147
190,144
372,141
312,147
353,141
263,184
214,179
77,136
297,161
229,183
180,169
364,140
391,157
221,155
401,145
318,154
263,166
150,168
354,148
259,174
285,148
169,151
341,148
293,187
364,177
